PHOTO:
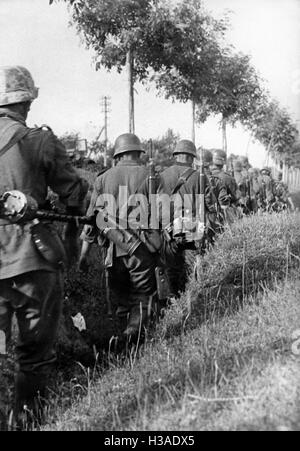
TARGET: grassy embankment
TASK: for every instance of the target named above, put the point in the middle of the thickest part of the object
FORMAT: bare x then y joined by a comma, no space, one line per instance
222,357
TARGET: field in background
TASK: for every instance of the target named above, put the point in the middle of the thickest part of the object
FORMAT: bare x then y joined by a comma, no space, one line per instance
222,356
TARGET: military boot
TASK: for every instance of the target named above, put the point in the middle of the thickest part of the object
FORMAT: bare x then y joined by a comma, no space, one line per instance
28,408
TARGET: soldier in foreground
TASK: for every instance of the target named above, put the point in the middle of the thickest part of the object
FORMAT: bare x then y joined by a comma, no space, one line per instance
131,273
31,285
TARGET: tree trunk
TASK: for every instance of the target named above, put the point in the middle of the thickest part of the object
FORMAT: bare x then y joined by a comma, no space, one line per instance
193,122
130,70
224,136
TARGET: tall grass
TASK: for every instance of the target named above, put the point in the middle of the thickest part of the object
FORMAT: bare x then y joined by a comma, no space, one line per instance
212,356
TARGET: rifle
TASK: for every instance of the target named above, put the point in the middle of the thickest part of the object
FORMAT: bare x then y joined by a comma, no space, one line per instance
202,214
162,283
250,203
231,168
17,208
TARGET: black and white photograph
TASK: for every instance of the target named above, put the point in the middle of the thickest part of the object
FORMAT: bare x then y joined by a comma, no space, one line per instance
149,218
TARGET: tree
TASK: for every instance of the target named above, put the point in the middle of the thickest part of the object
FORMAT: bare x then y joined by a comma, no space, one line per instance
231,87
273,127
148,37
96,151
69,140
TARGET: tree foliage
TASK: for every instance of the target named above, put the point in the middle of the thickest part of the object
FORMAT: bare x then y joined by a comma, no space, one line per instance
272,126
180,48
163,36
163,149
233,91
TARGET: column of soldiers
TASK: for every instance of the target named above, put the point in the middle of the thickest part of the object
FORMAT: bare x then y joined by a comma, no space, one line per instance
153,246
258,190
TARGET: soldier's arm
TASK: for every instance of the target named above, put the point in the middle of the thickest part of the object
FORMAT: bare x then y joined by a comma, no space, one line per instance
224,196
89,232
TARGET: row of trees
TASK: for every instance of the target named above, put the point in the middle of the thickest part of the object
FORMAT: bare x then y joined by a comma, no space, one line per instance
179,48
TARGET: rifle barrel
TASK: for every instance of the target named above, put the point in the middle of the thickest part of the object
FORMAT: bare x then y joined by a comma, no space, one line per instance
49,216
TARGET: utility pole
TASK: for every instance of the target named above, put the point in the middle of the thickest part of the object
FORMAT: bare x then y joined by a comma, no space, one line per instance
106,104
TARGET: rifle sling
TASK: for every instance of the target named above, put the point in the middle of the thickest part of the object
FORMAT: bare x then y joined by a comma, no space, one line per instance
183,179
20,134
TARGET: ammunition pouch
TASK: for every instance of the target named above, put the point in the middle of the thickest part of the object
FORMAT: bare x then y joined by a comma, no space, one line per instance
48,243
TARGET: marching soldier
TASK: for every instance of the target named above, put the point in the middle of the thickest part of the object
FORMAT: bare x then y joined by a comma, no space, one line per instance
281,192
242,185
267,189
219,161
219,189
30,282
183,180
255,188
131,274
218,185
245,166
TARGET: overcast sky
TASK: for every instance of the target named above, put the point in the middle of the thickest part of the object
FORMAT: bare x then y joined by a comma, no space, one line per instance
37,36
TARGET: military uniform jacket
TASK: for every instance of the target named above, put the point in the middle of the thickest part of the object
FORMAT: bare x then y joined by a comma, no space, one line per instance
121,182
267,187
37,162
169,179
229,184
241,182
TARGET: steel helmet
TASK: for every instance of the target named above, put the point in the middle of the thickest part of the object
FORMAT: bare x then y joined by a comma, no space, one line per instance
16,85
186,146
266,171
253,172
237,165
244,161
219,157
127,143
207,158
